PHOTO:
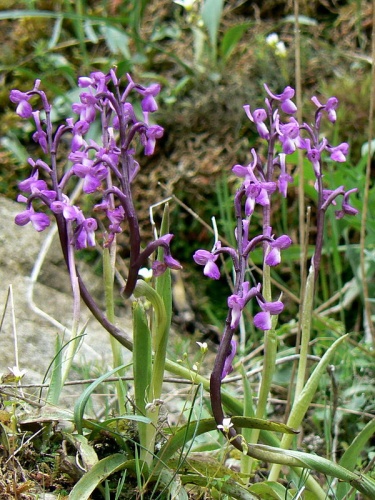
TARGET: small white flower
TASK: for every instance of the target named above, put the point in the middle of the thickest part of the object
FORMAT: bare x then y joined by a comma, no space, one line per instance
280,49
145,273
186,4
15,373
203,346
195,367
226,425
272,39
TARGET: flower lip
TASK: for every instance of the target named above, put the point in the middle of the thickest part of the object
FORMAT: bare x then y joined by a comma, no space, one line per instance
207,259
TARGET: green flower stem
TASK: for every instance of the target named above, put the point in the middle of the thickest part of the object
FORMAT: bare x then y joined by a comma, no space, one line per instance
109,256
162,315
301,404
307,309
270,352
270,349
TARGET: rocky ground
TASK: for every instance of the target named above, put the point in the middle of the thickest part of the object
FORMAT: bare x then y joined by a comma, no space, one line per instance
24,326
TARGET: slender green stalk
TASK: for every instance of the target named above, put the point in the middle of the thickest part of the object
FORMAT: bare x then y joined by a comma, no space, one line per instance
108,278
248,411
159,330
269,364
302,402
307,309
270,349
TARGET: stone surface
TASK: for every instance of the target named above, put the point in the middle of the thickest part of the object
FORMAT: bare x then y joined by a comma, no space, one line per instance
35,336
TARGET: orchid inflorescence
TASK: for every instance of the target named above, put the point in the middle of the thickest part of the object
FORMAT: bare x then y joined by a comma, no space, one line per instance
108,167
260,181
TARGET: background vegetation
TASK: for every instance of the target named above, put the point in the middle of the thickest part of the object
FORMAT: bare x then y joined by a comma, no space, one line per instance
210,62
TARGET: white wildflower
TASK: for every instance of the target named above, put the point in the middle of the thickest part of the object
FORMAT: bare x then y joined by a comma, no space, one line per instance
203,346
226,425
15,374
272,39
186,4
280,49
145,273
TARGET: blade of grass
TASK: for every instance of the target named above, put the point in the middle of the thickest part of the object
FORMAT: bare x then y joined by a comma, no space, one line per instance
99,472
79,407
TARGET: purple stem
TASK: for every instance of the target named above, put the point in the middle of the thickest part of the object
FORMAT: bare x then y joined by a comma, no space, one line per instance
85,294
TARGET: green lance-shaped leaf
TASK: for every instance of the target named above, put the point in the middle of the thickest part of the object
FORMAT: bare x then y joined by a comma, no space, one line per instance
55,367
349,458
231,38
99,472
79,407
361,482
301,404
187,432
211,14
163,286
143,289
142,367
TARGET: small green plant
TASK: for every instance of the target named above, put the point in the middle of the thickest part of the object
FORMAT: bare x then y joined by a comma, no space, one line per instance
211,49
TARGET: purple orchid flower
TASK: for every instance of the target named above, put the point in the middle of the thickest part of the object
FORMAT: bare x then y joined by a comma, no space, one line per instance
40,136
287,105
262,320
330,107
208,259
284,178
347,208
258,117
24,108
237,302
39,220
338,153
273,257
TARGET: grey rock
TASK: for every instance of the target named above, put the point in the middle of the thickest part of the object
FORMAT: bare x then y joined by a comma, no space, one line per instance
35,336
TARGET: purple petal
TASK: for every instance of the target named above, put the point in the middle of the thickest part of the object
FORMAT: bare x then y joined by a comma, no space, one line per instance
273,257
273,308
201,257
262,320
288,106
40,221
282,242
172,263
22,218
158,268
211,270
240,171
24,109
